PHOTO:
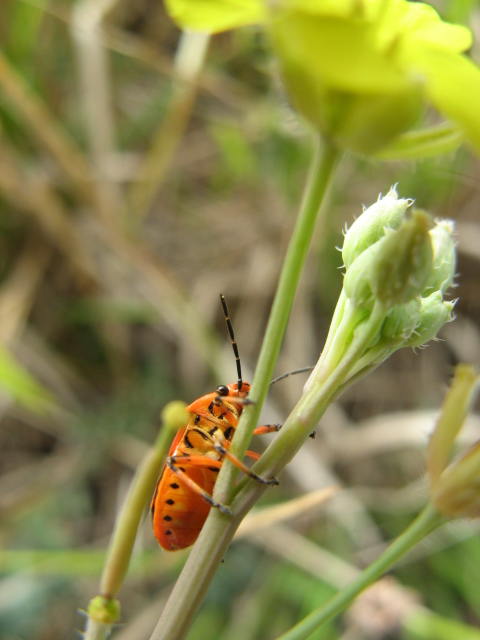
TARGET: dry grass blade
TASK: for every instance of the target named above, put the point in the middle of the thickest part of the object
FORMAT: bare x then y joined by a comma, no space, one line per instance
189,59
32,483
306,555
94,71
18,292
47,130
37,198
390,432
286,511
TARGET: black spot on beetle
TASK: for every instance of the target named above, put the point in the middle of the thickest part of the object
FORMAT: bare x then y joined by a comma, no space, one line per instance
168,532
167,518
170,501
174,485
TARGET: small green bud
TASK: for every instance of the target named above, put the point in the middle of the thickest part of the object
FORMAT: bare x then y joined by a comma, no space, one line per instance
434,313
401,322
403,261
444,258
173,415
357,283
104,610
387,212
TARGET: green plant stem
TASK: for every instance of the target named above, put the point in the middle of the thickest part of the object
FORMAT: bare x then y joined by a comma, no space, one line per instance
126,527
219,529
423,624
322,168
425,522
305,416
104,609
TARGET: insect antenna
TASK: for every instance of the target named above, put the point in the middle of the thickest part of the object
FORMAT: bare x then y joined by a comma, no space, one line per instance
291,373
232,338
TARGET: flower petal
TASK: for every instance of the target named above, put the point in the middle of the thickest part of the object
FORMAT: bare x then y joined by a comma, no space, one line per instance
421,25
334,53
213,16
452,83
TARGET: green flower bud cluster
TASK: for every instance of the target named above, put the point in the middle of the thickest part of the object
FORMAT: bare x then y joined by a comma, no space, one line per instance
398,269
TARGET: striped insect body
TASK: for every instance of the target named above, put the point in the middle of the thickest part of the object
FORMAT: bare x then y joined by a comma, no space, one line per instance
184,493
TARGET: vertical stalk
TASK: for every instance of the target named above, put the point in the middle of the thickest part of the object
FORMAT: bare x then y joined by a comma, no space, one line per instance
321,170
219,529
104,609
306,414
123,539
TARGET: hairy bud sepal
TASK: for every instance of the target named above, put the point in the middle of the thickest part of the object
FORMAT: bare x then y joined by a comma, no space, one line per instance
403,261
387,213
397,270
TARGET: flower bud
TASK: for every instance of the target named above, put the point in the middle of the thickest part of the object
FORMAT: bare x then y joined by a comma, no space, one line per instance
457,493
357,283
387,212
104,610
174,415
434,313
403,261
455,489
444,258
395,269
401,321
390,263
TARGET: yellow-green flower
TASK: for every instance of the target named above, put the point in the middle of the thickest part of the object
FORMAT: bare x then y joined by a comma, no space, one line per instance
359,71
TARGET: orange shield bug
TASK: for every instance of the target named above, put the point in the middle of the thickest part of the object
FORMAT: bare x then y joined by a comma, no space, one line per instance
183,496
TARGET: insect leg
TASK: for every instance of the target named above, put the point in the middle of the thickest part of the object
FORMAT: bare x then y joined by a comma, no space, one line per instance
219,400
269,428
197,461
266,428
243,467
